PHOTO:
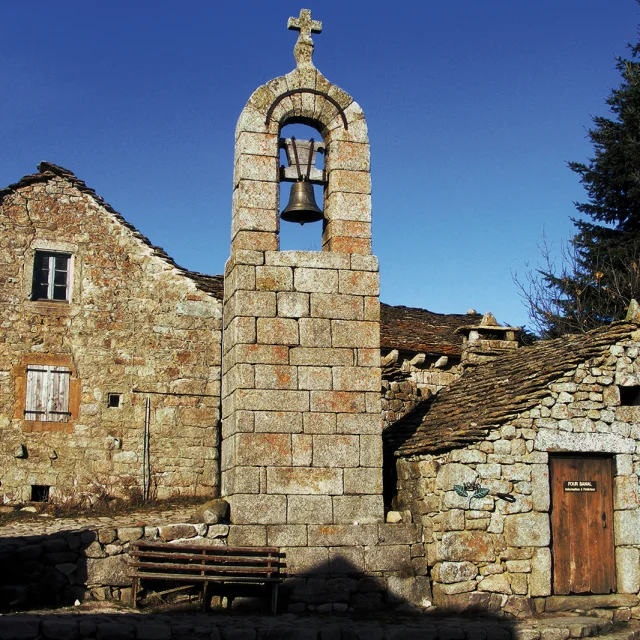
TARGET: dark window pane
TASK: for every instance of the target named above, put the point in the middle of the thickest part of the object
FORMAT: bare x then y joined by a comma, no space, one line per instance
40,276
60,292
60,278
40,261
39,493
40,292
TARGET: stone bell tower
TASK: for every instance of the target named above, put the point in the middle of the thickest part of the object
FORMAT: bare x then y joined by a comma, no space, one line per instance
301,409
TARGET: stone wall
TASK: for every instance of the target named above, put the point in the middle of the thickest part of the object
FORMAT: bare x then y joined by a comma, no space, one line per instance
330,568
301,389
493,553
412,382
398,398
134,322
84,565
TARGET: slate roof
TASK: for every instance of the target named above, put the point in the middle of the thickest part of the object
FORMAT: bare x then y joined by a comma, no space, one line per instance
212,285
419,330
492,393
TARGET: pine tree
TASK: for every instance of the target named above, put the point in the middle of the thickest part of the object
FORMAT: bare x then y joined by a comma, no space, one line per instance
600,271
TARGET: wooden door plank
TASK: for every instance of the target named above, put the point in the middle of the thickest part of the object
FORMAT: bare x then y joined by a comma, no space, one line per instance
582,526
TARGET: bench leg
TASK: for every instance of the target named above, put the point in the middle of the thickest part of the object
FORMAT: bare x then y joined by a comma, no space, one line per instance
274,598
134,593
205,606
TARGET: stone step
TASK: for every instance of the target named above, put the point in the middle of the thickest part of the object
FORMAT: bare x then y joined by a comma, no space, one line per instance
562,627
622,635
567,627
588,603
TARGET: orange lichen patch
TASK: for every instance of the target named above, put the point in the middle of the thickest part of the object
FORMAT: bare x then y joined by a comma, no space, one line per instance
256,241
349,228
262,353
260,449
186,356
337,401
283,377
266,283
340,244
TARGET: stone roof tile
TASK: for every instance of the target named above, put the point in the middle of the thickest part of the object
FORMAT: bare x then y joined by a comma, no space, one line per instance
419,330
490,394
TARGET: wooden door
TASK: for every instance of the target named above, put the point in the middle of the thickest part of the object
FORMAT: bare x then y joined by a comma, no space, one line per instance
582,524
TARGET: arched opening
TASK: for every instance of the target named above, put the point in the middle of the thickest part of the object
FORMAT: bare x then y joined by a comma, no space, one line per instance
294,236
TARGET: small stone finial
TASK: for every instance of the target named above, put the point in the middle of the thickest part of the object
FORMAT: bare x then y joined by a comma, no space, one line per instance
489,320
633,312
303,51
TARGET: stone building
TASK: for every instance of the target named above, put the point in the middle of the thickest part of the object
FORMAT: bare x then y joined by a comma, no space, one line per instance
102,338
524,475
383,449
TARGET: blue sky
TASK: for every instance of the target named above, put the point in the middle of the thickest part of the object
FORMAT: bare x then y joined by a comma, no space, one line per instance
474,109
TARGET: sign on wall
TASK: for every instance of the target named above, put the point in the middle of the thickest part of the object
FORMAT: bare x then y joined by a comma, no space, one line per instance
580,486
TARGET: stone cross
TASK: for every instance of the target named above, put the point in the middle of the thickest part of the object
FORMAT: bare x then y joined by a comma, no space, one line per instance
303,51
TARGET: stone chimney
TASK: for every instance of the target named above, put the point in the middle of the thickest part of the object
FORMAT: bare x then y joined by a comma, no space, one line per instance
487,341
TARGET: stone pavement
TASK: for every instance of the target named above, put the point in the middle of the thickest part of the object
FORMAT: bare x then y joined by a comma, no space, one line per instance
48,526
71,625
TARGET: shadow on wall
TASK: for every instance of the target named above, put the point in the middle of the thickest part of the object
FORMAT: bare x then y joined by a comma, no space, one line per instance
53,571
393,437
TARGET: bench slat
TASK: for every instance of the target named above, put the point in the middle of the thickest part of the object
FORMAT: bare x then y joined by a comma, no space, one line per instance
218,549
176,577
207,568
202,556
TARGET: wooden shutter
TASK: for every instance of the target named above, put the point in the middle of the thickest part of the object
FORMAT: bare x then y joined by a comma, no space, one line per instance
58,410
36,406
47,393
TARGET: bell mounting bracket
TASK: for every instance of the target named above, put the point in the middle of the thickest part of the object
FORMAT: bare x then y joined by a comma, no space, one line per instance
301,155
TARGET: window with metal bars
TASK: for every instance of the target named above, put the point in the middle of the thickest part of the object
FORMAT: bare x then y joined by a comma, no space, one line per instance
47,393
51,276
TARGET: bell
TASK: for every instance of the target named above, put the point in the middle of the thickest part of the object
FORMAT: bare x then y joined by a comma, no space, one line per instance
302,205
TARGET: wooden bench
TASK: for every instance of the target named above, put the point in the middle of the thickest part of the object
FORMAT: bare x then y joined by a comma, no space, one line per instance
192,564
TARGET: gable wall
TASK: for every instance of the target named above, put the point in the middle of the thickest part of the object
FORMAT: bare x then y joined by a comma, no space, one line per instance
134,322
492,553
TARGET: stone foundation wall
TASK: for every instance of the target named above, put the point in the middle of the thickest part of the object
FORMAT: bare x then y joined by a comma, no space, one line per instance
134,322
490,552
333,568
